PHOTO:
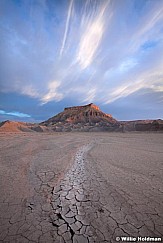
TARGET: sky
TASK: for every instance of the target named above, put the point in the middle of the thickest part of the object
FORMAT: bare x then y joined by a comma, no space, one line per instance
60,53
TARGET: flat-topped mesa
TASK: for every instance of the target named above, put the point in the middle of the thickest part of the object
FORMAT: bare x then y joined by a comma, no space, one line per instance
78,108
82,118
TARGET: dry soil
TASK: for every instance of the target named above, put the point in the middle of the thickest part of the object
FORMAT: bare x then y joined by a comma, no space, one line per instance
81,187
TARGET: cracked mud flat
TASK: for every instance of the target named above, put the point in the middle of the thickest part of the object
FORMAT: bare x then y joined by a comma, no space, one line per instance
98,187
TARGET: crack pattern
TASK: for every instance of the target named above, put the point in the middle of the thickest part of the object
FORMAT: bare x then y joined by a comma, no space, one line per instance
82,208
90,209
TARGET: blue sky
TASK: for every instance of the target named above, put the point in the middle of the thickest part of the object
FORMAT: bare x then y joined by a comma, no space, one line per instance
59,53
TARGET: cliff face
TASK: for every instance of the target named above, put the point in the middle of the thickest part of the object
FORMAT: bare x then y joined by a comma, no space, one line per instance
82,118
79,108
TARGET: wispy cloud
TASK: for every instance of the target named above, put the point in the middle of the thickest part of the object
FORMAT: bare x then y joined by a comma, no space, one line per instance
145,30
30,91
89,43
14,113
91,38
67,27
147,80
52,93
90,96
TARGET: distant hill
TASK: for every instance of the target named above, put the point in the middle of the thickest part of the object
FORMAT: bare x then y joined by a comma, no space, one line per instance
142,125
13,126
87,118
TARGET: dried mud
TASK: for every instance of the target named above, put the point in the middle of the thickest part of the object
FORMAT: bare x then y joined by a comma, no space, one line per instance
80,188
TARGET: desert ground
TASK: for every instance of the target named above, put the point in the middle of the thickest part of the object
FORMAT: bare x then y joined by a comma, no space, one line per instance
81,187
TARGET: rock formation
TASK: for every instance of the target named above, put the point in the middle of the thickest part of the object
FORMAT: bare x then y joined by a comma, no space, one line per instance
82,118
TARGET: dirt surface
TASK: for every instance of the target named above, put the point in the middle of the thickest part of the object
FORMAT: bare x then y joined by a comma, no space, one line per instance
81,187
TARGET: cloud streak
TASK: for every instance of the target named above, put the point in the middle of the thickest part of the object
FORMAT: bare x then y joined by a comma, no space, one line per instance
147,80
14,113
67,27
91,38
52,93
